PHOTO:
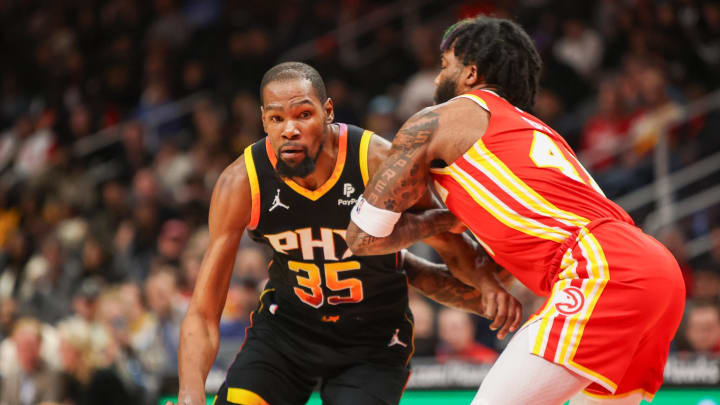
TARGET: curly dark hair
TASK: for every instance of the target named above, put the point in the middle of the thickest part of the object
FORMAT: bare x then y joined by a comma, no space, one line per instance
503,53
295,70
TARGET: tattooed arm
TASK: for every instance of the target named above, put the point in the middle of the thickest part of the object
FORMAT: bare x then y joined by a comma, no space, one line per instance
434,281
400,181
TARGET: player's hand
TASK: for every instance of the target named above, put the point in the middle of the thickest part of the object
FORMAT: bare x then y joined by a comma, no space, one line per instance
500,306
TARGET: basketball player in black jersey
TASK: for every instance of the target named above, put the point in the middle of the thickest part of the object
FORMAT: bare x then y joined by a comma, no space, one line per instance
325,315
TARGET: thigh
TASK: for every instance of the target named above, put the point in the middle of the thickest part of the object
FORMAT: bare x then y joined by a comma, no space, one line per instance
519,377
265,375
366,384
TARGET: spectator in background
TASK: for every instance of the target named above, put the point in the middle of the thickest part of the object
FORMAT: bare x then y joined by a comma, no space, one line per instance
13,258
84,301
35,150
424,332
252,262
605,131
419,89
8,315
457,339
34,382
143,326
580,47
161,293
242,298
702,329
76,359
675,241
706,285
52,281
171,241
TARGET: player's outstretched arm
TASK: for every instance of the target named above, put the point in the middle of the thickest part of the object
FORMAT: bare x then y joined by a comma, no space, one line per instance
230,209
434,281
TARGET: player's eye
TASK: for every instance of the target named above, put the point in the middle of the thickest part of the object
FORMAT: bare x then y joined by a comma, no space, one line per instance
275,118
305,114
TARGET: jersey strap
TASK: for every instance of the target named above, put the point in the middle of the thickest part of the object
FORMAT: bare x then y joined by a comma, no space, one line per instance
476,99
254,188
363,155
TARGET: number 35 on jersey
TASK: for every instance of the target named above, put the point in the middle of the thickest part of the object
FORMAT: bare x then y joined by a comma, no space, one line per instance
309,278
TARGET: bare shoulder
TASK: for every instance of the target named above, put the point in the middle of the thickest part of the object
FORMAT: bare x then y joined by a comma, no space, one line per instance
234,177
231,198
461,122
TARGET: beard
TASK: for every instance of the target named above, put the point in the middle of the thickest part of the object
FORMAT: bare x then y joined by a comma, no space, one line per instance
445,91
302,169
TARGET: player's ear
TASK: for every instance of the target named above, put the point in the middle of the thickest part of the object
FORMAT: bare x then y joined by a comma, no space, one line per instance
329,111
471,76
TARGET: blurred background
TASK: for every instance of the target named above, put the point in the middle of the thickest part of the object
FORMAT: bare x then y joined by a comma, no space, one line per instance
117,116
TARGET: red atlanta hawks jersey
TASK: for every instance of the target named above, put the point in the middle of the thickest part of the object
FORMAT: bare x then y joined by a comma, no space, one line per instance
522,192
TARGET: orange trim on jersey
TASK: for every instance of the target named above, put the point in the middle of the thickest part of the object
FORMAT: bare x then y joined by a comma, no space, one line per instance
254,188
244,397
407,380
271,153
364,147
646,395
412,340
314,195
247,328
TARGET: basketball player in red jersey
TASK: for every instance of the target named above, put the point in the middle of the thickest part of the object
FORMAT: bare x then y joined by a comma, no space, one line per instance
325,316
615,295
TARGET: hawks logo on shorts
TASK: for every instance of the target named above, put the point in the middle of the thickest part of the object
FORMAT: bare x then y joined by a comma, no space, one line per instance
572,301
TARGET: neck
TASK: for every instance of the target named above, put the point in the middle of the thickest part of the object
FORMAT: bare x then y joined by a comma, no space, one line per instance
325,163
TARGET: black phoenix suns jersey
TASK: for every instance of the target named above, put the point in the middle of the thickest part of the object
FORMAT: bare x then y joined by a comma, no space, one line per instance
317,284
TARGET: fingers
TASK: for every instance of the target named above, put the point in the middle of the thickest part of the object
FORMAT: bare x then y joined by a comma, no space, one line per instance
502,316
490,307
518,317
508,314
501,312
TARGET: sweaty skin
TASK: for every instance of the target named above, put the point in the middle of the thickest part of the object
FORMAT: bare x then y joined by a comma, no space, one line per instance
293,115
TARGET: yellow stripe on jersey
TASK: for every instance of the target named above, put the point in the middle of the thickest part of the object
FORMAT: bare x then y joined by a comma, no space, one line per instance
244,397
494,168
646,395
591,247
364,146
262,304
592,375
476,99
502,212
254,188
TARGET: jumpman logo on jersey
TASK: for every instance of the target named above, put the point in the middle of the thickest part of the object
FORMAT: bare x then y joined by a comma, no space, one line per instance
277,203
395,340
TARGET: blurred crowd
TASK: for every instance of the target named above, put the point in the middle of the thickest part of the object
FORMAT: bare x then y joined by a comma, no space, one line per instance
117,117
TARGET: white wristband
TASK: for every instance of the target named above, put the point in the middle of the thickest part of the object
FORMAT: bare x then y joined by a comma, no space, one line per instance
373,220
